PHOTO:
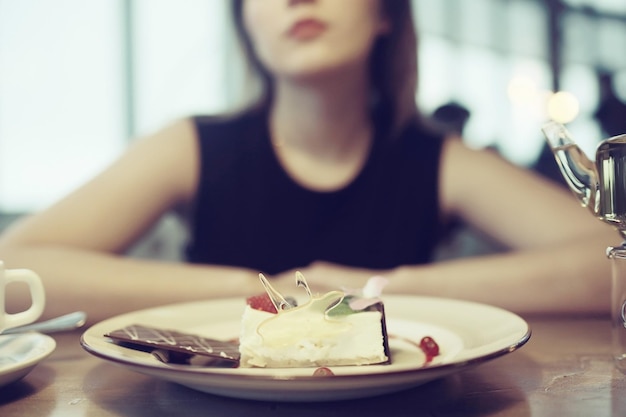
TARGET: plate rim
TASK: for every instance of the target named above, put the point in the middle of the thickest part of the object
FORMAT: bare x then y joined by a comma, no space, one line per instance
46,346
446,367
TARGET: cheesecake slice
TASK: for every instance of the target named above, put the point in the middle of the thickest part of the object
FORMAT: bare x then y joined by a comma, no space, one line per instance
333,329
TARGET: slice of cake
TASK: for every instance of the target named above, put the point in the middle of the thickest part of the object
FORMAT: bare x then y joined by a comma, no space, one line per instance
328,330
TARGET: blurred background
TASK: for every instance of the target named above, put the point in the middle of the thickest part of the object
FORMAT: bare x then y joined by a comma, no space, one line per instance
80,79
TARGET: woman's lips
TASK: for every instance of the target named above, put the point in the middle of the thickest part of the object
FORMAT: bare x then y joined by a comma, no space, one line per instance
306,29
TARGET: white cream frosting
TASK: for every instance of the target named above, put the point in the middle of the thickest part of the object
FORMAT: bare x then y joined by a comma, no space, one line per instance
307,336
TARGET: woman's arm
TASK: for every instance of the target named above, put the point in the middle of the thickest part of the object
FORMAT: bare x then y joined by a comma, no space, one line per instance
77,245
556,262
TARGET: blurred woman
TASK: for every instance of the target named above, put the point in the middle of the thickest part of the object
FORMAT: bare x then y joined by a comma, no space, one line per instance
332,171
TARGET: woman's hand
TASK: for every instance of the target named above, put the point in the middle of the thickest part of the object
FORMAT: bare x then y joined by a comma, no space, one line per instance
325,276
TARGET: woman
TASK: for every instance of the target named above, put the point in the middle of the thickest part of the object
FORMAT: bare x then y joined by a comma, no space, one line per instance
333,173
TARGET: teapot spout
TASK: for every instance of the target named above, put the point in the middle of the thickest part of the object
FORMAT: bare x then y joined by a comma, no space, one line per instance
580,173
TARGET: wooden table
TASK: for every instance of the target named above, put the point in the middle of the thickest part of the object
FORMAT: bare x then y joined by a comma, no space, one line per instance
564,370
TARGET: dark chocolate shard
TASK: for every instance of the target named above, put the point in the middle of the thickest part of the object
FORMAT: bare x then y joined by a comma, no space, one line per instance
160,340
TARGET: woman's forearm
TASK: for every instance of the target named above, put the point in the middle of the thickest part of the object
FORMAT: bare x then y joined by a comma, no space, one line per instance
572,278
104,285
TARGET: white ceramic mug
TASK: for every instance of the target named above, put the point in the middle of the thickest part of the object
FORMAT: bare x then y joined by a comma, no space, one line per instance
37,294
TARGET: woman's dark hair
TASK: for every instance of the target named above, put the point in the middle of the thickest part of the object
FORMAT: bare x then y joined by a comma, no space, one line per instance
393,62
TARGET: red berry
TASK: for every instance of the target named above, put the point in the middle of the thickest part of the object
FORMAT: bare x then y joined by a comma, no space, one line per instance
261,302
429,347
323,371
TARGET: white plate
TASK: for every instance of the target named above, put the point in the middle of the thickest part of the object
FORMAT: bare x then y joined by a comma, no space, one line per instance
19,353
467,333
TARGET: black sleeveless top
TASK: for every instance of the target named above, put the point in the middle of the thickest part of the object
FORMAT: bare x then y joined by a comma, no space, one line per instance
250,213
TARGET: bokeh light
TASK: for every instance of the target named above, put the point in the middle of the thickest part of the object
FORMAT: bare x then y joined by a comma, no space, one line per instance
563,107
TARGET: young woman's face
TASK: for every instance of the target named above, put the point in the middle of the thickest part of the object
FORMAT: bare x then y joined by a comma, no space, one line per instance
305,38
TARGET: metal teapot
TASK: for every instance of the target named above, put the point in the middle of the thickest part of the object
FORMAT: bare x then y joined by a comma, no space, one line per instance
600,185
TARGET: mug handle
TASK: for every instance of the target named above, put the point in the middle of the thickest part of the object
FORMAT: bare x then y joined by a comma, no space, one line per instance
38,297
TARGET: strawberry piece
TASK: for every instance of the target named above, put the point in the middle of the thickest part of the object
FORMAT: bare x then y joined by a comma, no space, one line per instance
261,302
429,347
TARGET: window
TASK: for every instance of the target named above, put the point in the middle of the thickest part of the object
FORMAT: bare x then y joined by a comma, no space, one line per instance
79,79
60,96
475,53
